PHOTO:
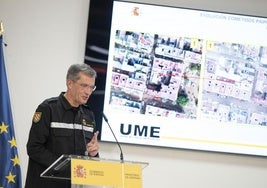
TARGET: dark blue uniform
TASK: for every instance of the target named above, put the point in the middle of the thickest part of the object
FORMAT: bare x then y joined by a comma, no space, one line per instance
57,128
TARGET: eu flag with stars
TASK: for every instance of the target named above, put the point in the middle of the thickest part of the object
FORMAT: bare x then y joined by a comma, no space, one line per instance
10,174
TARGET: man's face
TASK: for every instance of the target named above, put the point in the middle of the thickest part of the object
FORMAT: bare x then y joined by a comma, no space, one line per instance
80,90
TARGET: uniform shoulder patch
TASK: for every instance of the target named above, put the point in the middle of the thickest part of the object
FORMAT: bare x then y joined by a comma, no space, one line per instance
36,117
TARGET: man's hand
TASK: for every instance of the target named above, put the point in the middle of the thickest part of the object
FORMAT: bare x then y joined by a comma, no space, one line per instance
93,147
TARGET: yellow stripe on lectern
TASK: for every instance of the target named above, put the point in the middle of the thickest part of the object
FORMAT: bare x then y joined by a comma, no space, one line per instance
106,173
91,172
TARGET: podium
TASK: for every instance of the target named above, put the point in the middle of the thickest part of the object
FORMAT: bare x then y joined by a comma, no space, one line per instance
85,171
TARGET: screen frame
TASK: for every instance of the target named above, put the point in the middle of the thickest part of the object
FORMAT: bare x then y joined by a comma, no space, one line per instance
203,149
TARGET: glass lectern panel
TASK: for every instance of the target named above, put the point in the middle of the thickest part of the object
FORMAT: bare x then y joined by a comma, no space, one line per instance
60,169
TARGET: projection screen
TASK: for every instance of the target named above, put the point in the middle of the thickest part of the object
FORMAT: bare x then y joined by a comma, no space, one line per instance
185,78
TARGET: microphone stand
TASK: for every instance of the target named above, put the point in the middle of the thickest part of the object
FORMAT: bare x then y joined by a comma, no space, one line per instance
106,120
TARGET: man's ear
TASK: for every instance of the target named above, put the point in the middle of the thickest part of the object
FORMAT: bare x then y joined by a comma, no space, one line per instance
69,83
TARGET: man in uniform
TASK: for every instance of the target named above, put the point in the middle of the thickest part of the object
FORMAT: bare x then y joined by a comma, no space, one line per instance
62,125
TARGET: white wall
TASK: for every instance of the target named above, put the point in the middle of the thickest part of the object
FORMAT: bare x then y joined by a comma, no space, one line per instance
45,37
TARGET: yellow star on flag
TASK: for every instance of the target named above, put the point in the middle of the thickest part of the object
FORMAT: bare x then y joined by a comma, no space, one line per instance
12,142
15,160
10,177
3,128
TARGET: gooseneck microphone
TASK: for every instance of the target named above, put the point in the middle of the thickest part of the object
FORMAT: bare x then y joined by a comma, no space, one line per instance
106,120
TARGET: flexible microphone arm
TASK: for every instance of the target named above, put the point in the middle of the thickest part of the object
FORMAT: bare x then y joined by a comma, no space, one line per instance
106,120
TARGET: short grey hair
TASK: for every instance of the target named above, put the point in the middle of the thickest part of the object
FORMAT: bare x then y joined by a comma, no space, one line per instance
75,69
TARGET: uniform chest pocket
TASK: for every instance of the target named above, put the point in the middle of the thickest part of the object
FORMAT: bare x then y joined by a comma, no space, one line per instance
62,132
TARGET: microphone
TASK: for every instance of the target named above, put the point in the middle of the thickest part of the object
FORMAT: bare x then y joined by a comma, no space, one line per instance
106,120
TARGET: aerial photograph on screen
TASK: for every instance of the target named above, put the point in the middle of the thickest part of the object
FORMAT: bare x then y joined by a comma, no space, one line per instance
235,83
176,76
156,74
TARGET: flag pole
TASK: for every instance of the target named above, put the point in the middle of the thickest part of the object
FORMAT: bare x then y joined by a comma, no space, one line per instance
1,28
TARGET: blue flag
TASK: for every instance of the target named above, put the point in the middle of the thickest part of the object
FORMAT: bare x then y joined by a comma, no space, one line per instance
10,174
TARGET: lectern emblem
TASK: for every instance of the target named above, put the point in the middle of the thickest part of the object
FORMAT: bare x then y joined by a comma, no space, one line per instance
79,171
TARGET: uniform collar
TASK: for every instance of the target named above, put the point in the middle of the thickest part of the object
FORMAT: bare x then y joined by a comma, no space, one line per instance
65,102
